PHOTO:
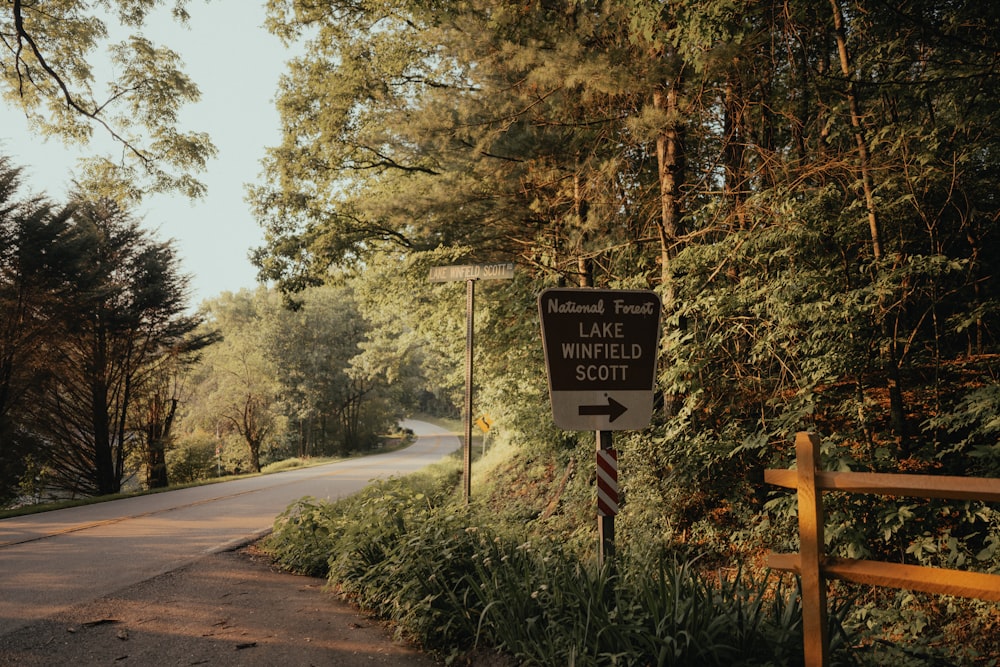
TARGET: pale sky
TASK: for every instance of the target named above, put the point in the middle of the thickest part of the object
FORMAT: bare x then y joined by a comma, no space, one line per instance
236,64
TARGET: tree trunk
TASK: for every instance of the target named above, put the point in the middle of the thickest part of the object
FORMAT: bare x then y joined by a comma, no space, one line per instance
584,264
897,408
104,466
859,138
120,414
732,151
671,164
254,455
157,435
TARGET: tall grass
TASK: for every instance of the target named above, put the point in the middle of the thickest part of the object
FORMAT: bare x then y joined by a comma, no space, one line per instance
454,579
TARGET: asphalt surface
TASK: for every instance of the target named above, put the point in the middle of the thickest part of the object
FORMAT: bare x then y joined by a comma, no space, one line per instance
55,561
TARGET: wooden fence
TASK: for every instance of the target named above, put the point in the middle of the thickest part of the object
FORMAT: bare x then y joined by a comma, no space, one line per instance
813,567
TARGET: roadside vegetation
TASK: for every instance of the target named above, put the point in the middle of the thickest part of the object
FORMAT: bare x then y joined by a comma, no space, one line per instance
809,187
462,581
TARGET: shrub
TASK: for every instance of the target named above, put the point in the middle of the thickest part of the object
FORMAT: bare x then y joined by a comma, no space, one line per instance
192,460
355,532
454,579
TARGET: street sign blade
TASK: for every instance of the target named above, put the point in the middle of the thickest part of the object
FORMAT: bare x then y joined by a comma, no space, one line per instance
443,274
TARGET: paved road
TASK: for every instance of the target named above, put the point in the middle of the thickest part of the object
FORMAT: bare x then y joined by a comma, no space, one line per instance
58,559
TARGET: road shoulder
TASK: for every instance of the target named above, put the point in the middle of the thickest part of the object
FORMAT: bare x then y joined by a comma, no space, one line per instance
228,608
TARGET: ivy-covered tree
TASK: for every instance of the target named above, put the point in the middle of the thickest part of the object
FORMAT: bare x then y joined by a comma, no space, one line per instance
158,400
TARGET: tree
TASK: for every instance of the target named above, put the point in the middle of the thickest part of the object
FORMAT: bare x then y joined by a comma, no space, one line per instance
39,257
158,398
489,130
49,70
236,386
307,381
808,185
325,396
155,415
126,309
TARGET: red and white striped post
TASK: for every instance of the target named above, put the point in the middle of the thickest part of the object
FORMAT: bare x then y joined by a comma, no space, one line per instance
607,496
607,482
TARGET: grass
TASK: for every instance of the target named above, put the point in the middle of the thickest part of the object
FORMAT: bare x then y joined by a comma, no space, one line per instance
457,579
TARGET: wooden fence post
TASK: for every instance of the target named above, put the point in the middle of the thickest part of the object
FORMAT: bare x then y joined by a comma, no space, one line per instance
811,552
814,568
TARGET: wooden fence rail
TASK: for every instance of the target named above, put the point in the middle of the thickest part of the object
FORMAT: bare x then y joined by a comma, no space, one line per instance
813,567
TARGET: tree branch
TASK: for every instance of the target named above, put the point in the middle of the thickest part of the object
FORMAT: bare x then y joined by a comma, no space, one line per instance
24,37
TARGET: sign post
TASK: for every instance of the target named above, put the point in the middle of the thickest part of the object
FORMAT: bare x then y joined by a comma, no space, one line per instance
470,273
607,496
600,354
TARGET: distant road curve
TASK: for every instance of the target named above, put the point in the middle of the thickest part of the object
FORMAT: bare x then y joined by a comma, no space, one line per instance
54,560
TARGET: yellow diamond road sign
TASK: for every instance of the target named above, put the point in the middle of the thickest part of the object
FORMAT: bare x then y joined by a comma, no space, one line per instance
600,353
484,423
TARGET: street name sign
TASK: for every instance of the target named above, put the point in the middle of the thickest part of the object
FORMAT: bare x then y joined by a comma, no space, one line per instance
444,274
470,273
600,354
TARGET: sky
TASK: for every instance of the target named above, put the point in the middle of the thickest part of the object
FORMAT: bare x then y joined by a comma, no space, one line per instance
236,64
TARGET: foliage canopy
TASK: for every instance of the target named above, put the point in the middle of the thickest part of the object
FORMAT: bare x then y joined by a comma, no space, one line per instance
810,187
50,69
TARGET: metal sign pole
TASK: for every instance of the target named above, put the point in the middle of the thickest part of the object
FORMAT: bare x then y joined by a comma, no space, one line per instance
470,304
600,357
608,504
470,273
